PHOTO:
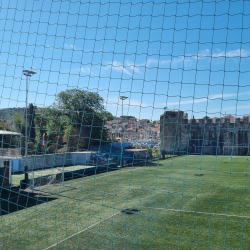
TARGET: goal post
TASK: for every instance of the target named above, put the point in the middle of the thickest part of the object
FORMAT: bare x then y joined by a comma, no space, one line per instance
224,150
207,150
236,150
38,179
62,173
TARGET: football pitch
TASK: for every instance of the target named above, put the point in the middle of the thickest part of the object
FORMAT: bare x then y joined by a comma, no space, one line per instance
185,202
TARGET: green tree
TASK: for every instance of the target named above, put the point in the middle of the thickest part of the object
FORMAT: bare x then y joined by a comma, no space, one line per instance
84,118
19,123
51,122
76,103
74,122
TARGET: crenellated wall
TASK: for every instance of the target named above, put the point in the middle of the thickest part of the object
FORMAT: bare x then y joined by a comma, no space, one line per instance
180,137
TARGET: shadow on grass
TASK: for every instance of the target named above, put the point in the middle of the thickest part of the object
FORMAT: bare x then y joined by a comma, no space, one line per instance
130,211
13,200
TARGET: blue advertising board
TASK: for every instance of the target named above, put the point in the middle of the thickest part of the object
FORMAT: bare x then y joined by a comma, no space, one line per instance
15,165
118,144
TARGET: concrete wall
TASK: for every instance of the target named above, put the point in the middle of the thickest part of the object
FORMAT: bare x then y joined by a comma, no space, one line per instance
80,158
75,158
56,160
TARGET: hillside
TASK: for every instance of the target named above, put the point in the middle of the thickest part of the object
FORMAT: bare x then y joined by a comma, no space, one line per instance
8,114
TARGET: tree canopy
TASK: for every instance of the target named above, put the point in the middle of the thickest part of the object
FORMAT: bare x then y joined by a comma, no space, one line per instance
79,101
75,121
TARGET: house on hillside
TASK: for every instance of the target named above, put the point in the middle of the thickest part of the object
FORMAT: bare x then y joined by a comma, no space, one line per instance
132,120
143,123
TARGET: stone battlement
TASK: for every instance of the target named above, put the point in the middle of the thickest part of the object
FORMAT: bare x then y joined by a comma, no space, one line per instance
206,136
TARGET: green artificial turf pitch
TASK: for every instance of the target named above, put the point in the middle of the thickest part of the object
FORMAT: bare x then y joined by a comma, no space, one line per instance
186,202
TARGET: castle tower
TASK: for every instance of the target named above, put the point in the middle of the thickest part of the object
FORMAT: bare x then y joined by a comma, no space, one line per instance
172,131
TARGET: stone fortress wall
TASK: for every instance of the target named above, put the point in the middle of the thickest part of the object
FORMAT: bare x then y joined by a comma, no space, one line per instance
178,136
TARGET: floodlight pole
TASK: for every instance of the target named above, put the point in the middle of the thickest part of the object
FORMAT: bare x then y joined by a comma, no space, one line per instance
122,98
27,73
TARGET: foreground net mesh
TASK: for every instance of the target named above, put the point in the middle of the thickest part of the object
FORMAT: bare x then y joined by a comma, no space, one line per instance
124,124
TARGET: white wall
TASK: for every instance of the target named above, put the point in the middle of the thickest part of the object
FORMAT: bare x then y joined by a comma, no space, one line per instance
80,158
55,160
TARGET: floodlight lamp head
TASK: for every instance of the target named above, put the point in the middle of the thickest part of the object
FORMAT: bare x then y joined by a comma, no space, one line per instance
28,72
123,97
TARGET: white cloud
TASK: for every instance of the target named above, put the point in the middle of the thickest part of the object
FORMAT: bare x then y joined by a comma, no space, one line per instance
204,54
128,102
158,105
118,66
85,70
48,46
71,46
204,99
133,67
130,68
149,62
232,53
231,109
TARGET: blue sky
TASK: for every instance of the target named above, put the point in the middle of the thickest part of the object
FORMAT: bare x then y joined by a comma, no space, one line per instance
189,55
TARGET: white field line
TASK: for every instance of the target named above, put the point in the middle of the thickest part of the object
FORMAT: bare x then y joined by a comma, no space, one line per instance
189,211
120,211
96,222
87,228
81,231
170,209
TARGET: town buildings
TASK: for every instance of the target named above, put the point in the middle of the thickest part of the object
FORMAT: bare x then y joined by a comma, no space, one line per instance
133,130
